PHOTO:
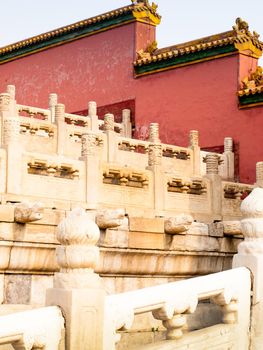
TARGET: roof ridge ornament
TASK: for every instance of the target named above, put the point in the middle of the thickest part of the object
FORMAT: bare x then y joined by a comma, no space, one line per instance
254,80
245,41
146,3
148,52
241,26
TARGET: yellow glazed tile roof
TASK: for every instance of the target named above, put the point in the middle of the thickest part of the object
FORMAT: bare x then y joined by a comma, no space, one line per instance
240,36
140,10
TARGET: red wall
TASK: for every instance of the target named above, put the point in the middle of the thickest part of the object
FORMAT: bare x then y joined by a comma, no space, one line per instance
98,67
201,96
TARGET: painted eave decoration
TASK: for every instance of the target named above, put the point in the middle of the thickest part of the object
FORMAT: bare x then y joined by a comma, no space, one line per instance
141,11
251,93
238,40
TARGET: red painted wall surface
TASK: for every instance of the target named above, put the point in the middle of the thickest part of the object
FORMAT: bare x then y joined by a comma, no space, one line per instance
98,67
200,96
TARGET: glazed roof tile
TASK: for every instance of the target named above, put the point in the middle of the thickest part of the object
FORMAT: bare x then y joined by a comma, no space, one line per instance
240,34
59,32
250,91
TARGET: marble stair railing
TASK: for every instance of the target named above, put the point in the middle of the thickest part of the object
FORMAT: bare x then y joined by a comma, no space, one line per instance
35,329
171,302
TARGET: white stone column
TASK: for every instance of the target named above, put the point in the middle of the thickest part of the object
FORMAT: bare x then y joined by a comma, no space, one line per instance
92,108
62,137
11,142
78,290
90,154
250,255
259,174
52,102
155,165
212,161
5,110
194,145
112,144
228,157
126,123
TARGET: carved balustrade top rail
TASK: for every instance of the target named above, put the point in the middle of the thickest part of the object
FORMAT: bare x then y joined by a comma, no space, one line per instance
34,329
141,146
232,190
33,112
34,126
170,302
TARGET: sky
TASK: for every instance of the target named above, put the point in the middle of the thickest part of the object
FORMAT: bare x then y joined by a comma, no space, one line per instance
181,20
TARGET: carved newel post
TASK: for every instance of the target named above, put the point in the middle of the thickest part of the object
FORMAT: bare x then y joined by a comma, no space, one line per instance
155,165
92,108
112,142
250,255
61,129
228,158
259,174
10,137
90,154
126,123
213,161
194,145
78,290
52,102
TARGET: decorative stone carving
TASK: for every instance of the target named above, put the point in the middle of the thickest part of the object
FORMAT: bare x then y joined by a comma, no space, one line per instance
229,305
175,152
236,191
52,100
109,122
46,168
123,176
4,101
92,108
194,138
212,161
110,218
88,144
11,90
154,133
11,130
173,315
60,112
232,228
178,224
28,212
252,224
191,186
259,174
228,144
78,255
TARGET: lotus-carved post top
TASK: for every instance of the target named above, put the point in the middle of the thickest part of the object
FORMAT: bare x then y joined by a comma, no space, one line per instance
228,144
126,115
78,255
5,99
252,224
194,138
212,161
60,112
52,100
259,174
109,122
11,90
92,108
154,133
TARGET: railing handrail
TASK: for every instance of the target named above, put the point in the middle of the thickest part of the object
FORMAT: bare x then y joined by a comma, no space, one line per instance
152,298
